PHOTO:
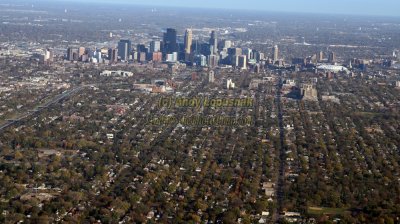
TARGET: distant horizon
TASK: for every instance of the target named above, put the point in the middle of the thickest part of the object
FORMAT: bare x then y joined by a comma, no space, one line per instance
383,8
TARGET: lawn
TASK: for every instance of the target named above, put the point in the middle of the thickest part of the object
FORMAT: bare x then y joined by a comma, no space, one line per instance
325,211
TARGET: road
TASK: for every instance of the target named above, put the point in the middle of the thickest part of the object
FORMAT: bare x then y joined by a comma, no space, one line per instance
40,108
282,155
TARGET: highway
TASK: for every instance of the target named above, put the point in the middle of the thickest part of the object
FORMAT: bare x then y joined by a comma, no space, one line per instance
40,108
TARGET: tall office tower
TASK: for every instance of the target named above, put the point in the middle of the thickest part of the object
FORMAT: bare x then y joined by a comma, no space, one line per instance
135,55
141,48
320,56
248,52
212,61
113,55
142,57
235,51
233,54
70,54
75,56
332,57
124,49
214,42
200,60
276,53
170,44
258,56
188,41
155,46
81,52
98,55
226,44
243,61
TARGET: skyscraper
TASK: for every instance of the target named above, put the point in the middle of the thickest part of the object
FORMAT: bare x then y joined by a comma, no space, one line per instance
124,49
170,44
70,54
155,46
276,53
113,55
141,48
248,52
226,44
332,57
81,52
243,61
212,61
214,42
188,41
320,56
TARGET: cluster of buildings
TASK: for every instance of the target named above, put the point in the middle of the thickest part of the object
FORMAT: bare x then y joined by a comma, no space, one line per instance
213,53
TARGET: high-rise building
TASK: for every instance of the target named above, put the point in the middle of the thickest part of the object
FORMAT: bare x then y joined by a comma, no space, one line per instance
155,46
235,51
200,60
70,54
320,56
156,57
258,56
276,53
214,42
81,52
113,55
224,57
172,57
248,52
170,43
212,61
141,48
142,57
226,44
75,56
124,49
135,55
332,57
47,57
98,56
188,41
242,62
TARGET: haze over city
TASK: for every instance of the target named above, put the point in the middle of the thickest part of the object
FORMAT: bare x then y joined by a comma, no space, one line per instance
349,7
199,112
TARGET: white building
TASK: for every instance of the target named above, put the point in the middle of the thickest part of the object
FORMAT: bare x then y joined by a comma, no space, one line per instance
116,73
332,68
172,57
230,84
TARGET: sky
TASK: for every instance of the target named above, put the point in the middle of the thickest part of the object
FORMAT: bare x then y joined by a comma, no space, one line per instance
350,7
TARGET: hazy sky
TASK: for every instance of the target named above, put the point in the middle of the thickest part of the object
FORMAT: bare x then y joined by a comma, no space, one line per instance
357,7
